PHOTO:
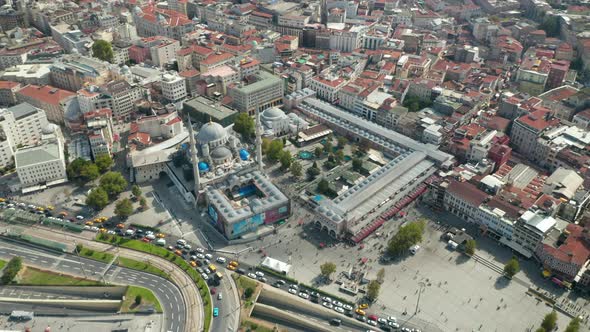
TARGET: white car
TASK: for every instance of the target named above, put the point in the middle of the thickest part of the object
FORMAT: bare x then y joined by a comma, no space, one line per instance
31,206
80,217
293,291
260,274
292,286
111,232
204,276
87,227
328,305
209,256
129,232
200,256
371,322
337,303
339,310
219,296
150,236
382,321
221,260
395,325
392,319
94,229
200,250
347,307
193,258
22,204
326,299
181,242
252,275
304,295
187,247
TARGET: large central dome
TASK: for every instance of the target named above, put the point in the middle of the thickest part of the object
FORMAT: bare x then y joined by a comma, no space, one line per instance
211,132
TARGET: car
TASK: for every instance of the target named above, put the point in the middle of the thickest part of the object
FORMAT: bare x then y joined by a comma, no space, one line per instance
200,270
347,307
207,270
204,276
193,258
293,291
395,325
304,295
145,239
328,305
221,260
382,321
276,284
241,271
80,217
31,206
363,306
219,296
160,235
179,246
326,299
405,329
120,226
198,263
103,230
94,229
314,294
262,279
178,252
193,264
260,274
373,317
200,256
230,267
200,250
150,236
360,312
234,263
385,328
111,232
361,318
89,223
339,310
335,322
213,291
372,322
215,312
392,319
171,248
292,286
87,227
252,275
349,313
187,247
337,303
209,256
181,242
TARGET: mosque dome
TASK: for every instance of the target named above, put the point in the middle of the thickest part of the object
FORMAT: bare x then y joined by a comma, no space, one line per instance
203,167
210,132
273,113
221,153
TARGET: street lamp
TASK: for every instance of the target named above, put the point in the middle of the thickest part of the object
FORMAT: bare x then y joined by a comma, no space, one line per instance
419,293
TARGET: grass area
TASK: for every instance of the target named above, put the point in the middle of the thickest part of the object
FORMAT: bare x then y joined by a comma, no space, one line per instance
244,282
147,298
255,327
140,266
163,253
32,276
96,255
2,264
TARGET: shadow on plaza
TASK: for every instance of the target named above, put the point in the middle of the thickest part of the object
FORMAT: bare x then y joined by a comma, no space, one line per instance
501,282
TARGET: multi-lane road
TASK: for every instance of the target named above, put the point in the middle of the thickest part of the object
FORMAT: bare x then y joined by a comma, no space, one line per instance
167,293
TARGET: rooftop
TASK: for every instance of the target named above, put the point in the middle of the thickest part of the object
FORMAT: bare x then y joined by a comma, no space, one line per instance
47,94
23,110
37,155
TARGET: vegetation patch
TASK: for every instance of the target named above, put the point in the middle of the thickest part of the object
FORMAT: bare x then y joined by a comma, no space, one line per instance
11,270
139,297
141,266
36,277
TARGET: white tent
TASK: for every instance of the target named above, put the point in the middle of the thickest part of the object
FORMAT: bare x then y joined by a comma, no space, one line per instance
276,265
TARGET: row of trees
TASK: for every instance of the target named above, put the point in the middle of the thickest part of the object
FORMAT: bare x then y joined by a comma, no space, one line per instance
549,323
84,171
110,186
11,270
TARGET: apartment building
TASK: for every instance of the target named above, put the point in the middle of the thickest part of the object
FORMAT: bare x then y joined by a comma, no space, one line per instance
327,86
99,129
173,87
41,166
153,21
261,91
73,72
528,128
119,96
52,100
8,91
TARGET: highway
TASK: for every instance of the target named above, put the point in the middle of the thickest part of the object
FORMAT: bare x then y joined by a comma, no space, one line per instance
167,293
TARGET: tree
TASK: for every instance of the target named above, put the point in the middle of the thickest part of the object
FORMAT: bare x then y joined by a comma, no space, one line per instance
244,124
512,267
470,247
327,269
89,172
104,162
357,164
11,270
296,169
274,150
248,292
124,208
97,198
328,146
113,183
342,142
285,159
136,191
323,186
551,26
573,326
339,156
406,237
317,152
103,50
550,321
142,203
373,290
313,171
540,329
138,300
75,167
381,275
79,248
265,145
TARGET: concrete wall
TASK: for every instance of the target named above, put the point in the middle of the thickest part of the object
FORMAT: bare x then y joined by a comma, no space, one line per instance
96,292
94,305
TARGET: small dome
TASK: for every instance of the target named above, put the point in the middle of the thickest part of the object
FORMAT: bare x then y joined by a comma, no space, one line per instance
273,113
221,152
244,155
203,167
49,129
211,131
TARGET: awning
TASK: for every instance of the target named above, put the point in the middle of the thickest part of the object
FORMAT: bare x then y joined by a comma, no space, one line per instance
546,273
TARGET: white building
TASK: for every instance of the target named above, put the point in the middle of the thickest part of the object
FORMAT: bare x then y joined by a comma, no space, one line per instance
327,87
41,166
165,52
432,134
23,124
173,87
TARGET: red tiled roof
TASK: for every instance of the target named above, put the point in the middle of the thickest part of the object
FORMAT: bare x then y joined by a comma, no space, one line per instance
189,73
142,138
467,192
574,250
216,58
173,121
538,120
8,84
46,94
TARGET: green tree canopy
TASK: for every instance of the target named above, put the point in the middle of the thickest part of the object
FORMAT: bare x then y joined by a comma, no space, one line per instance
550,321
11,270
89,172
328,146
573,326
296,169
323,186
97,198
135,190
317,152
470,247
265,145
327,269
313,172
512,267
342,142
339,156
414,103
244,124
373,289
357,164
551,26
104,162
143,203
406,237
285,159
102,50
113,183
274,150
124,208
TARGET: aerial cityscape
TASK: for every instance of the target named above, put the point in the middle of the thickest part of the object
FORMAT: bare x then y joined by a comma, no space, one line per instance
295,165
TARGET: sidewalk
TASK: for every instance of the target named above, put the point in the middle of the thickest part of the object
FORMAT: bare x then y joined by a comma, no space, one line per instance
192,299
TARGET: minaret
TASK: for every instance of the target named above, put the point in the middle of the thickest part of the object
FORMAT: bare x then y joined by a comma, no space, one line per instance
258,140
194,159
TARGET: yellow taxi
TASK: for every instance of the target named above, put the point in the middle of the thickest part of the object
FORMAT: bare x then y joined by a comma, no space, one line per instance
234,263
120,226
231,267
97,220
160,235
359,311
363,306
40,208
193,264
50,207
103,219
89,223
2,200
103,230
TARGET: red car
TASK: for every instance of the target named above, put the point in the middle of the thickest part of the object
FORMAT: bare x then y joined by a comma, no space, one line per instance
213,291
145,239
372,317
